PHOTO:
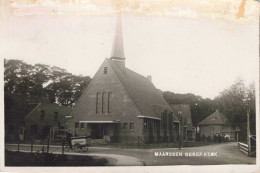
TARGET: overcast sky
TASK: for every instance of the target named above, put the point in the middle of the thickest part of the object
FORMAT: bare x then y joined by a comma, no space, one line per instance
183,54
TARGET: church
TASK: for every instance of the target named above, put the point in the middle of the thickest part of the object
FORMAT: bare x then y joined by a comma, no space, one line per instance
120,105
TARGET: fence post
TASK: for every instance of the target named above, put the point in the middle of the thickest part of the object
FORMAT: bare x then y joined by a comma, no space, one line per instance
248,132
32,145
42,149
138,141
48,145
63,142
18,145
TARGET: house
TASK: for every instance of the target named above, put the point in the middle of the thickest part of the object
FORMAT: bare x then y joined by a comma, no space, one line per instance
121,105
184,115
44,120
216,124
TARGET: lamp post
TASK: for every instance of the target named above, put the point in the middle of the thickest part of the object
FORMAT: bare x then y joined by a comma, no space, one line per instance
236,131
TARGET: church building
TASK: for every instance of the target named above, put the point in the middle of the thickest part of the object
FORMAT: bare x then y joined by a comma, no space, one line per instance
120,105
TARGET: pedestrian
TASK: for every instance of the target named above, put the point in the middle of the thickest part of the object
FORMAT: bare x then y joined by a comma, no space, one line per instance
219,138
215,138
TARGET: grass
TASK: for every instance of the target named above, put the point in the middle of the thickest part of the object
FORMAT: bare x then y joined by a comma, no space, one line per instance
47,159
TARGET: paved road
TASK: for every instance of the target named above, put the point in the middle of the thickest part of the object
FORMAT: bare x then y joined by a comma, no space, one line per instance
225,153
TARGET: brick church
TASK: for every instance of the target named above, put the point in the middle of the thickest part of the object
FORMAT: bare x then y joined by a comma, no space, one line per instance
121,105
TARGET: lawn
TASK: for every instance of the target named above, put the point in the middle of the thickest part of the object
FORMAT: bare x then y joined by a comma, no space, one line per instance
47,159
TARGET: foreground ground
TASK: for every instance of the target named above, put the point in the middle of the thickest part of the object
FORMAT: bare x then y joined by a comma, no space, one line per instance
225,153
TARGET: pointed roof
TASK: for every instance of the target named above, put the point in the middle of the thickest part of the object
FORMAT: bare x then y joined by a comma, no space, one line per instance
118,46
146,97
215,118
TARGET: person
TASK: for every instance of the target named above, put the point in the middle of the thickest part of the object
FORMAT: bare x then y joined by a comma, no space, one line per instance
68,138
219,138
215,138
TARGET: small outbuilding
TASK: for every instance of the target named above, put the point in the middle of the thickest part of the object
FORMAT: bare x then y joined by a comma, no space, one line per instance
216,124
45,120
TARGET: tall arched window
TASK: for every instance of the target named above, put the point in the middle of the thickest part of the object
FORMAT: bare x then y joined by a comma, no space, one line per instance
109,102
97,102
103,102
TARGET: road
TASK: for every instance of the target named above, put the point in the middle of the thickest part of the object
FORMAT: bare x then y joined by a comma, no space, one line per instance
225,153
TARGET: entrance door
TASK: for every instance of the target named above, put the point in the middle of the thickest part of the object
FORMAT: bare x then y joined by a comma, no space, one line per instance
115,133
96,131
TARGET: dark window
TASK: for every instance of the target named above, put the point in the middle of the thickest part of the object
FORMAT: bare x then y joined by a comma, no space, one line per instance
108,102
125,126
97,102
145,124
132,125
170,121
161,122
76,125
55,116
42,115
103,102
149,124
164,120
105,70
82,125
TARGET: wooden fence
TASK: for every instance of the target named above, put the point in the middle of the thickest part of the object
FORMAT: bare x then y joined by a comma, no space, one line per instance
243,147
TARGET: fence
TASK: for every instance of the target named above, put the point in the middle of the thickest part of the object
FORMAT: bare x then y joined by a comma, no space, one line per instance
245,149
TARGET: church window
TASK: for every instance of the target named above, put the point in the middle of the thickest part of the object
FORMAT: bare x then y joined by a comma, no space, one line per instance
105,70
82,125
108,102
103,102
145,124
132,125
76,125
125,126
97,102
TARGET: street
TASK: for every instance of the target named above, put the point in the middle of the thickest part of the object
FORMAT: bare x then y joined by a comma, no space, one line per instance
225,153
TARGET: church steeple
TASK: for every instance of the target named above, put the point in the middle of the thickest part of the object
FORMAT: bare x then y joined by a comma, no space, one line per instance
118,46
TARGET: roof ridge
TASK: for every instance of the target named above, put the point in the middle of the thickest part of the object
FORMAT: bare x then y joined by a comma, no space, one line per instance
86,89
32,110
110,62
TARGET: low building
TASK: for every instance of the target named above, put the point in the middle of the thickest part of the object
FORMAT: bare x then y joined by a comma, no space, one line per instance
214,125
45,120
184,115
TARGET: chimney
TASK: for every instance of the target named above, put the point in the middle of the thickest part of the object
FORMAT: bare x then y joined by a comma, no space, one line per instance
149,77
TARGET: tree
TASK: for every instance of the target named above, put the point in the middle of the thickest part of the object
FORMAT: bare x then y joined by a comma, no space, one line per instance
25,84
234,103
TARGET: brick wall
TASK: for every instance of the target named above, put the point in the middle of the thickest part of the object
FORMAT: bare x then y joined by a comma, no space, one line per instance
121,105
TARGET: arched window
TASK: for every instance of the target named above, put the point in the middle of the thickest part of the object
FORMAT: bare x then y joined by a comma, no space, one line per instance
97,102
103,102
109,102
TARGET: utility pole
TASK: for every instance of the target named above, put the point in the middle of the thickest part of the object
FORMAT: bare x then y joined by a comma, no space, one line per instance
248,132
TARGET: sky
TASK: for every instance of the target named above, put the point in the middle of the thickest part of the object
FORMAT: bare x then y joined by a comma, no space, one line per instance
197,48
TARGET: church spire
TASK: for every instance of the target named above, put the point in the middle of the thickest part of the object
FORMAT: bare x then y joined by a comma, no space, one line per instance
118,46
